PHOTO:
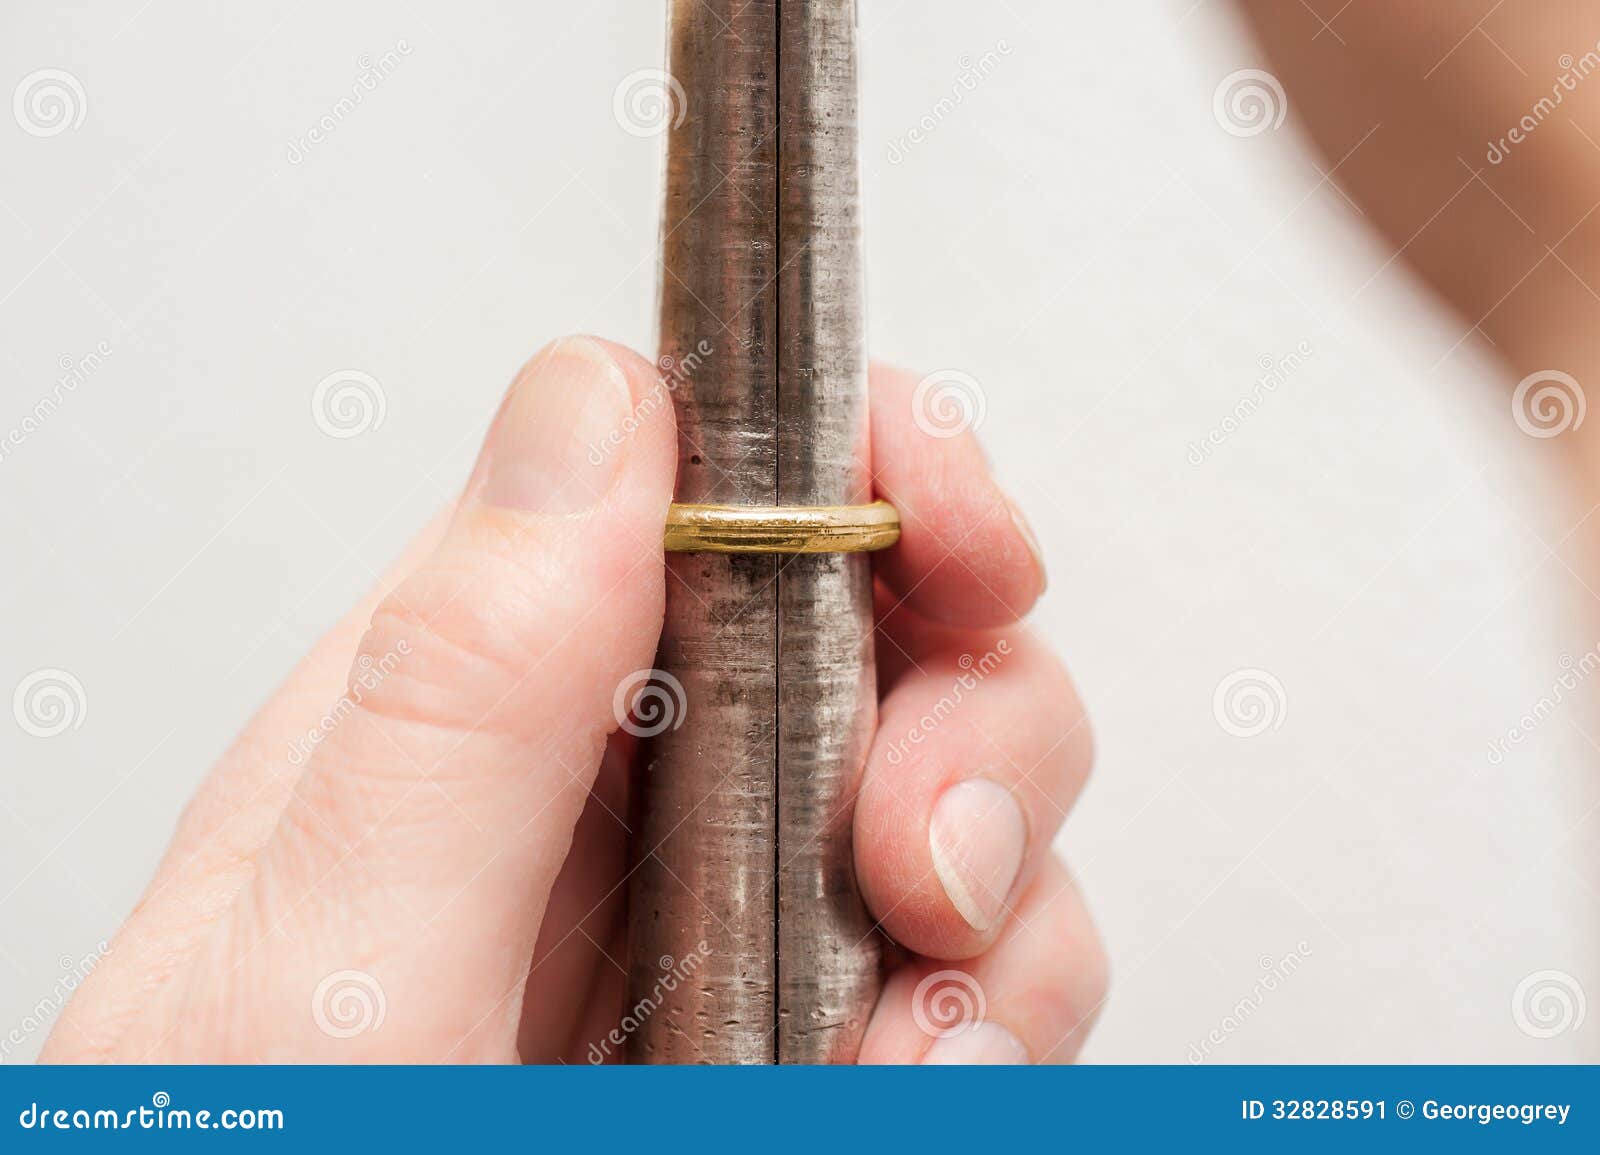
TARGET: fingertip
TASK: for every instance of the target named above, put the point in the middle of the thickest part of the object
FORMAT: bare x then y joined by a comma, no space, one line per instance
919,877
967,555
1030,541
649,428
586,429
1033,996
981,750
643,374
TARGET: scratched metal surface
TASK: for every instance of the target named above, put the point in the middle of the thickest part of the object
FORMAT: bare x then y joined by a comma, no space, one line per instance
744,834
828,955
708,795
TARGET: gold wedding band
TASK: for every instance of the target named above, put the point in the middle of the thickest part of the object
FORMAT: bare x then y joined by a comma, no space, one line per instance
781,528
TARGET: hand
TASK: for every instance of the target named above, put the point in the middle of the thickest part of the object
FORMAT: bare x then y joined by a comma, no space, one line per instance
418,856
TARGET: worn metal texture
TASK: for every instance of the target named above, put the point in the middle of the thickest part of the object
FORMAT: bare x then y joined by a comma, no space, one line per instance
705,836
828,957
743,856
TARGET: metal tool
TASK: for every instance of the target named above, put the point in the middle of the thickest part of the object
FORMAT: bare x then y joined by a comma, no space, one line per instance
744,860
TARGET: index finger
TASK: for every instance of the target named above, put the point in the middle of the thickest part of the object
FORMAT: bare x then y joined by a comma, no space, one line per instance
966,555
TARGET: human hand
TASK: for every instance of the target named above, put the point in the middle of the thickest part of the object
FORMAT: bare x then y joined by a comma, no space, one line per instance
421,856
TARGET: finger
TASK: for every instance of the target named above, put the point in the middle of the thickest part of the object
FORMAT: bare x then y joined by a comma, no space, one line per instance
981,749
1032,998
599,1037
585,912
212,853
966,554
435,815
238,804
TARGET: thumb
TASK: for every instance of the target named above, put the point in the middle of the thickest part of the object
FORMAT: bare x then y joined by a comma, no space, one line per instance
436,810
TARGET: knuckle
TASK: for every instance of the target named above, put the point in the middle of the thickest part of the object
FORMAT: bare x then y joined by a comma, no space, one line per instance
1093,973
322,823
1045,673
1082,986
451,644
1052,693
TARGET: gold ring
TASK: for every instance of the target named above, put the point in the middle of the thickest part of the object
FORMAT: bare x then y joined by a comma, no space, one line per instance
781,528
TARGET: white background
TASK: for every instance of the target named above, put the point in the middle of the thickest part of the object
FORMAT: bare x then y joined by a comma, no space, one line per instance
1079,234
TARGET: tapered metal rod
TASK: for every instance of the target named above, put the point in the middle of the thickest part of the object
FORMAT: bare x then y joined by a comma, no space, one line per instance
743,844
827,691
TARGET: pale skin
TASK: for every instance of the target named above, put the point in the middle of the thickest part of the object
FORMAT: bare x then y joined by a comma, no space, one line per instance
457,835
1438,118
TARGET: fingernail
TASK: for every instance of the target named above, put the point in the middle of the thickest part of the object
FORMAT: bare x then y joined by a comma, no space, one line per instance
550,450
985,1045
1031,540
977,836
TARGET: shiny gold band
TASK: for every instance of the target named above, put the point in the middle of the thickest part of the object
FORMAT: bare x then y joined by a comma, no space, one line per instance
781,528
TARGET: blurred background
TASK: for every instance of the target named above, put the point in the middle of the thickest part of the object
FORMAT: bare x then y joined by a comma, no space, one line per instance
1306,567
